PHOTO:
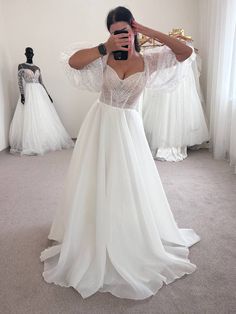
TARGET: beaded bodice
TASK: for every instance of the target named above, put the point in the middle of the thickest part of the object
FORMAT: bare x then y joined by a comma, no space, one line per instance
123,93
28,74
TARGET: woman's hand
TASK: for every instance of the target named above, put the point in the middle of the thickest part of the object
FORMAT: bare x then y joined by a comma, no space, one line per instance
138,28
116,42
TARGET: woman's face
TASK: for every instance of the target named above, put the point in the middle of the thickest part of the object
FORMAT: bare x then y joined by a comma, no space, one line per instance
122,26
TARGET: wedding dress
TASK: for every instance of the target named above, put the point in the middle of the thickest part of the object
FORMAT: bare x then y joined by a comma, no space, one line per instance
173,118
114,230
36,127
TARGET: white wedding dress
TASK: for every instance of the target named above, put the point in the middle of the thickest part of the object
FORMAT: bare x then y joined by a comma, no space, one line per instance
114,230
173,116
36,128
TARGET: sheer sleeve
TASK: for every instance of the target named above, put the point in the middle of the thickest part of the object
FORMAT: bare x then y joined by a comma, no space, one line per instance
163,69
20,80
90,77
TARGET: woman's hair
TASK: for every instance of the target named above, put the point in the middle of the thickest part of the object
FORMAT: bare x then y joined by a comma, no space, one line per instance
122,14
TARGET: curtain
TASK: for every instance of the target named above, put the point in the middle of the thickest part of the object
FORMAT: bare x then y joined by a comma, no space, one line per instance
218,41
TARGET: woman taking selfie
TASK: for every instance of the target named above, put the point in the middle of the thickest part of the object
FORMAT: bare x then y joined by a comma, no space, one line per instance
115,230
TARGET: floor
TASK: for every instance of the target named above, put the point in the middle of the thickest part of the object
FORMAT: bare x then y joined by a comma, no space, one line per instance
202,195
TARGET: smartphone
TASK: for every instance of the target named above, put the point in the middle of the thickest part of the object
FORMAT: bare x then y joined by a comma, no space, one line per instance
120,54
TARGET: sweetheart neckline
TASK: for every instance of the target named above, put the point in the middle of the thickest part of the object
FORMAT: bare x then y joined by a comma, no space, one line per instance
139,72
32,70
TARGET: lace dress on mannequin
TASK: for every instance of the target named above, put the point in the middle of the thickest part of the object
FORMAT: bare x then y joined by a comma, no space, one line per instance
35,127
114,230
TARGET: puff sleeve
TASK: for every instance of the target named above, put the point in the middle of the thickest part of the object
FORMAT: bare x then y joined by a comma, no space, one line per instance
88,78
164,70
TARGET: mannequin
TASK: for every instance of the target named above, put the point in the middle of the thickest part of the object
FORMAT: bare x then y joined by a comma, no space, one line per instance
29,53
35,127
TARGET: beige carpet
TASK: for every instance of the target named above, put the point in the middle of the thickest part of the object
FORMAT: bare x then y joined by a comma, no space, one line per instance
202,194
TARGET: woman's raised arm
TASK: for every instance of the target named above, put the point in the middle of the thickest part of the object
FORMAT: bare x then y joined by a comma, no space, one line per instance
83,57
181,51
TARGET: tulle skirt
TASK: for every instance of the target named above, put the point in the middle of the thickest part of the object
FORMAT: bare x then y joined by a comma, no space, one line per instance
174,120
114,230
36,127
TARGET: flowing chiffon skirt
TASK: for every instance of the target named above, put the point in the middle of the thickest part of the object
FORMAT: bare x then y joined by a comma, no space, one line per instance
115,231
36,127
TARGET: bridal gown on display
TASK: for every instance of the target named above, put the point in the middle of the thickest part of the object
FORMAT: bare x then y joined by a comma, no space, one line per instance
114,230
36,128
173,118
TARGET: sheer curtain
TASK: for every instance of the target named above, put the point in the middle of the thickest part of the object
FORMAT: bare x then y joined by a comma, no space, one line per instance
218,36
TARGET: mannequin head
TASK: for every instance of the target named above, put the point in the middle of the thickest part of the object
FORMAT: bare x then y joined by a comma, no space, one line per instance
29,53
120,18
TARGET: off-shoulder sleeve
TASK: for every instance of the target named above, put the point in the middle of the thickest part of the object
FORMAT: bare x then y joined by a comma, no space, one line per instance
163,69
89,78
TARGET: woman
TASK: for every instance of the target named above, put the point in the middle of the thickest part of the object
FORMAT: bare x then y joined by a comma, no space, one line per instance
115,230
35,128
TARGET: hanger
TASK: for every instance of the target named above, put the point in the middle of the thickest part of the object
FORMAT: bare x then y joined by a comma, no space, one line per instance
147,42
178,33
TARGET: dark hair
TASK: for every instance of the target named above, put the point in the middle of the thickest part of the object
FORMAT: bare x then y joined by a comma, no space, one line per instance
122,14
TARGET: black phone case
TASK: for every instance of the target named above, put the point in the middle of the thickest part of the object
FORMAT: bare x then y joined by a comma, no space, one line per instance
120,54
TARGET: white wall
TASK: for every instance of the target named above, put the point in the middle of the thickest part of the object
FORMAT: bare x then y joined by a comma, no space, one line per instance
50,26
5,85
